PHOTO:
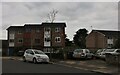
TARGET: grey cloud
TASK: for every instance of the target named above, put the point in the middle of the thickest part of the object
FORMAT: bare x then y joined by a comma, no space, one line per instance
77,15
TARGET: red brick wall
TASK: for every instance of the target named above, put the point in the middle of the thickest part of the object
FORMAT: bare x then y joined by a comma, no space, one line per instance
39,35
60,34
96,40
17,37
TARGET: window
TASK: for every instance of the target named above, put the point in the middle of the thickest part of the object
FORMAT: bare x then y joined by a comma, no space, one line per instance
11,35
110,45
31,52
19,32
37,30
28,30
57,39
57,29
37,41
47,29
87,51
109,37
38,52
27,51
48,50
20,40
47,39
11,40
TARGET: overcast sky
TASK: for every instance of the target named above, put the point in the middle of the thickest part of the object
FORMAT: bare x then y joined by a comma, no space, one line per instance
76,15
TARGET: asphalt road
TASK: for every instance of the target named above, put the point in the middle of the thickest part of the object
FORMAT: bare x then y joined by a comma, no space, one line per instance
15,66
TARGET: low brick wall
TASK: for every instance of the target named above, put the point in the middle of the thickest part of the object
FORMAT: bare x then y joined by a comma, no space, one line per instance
113,59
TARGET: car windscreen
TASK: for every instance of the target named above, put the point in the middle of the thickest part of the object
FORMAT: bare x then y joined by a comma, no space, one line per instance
38,52
110,50
100,50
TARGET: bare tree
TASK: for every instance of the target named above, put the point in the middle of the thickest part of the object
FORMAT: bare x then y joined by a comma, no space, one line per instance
52,15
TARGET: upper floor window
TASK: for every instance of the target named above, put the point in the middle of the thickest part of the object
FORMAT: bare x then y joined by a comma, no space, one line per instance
11,36
47,39
110,45
57,29
11,40
28,30
19,32
109,37
20,40
57,39
47,29
11,32
37,30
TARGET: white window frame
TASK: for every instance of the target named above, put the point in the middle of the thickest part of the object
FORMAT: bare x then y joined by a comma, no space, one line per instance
19,32
57,29
47,39
56,39
11,36
19,40
11,40
47,29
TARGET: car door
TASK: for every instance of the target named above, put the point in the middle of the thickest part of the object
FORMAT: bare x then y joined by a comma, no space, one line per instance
27,55
31,55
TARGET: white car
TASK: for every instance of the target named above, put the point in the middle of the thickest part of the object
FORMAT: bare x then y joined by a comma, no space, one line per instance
82,53
35,56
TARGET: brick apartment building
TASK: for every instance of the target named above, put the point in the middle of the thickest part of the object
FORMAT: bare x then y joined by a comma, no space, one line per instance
38,36
4,47
101,39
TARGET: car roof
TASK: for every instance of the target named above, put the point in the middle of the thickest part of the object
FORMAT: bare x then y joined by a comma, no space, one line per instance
81,49
33,50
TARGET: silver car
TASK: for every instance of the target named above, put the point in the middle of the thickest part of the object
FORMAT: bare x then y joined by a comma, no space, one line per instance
82,53
35,56
113,51
100,53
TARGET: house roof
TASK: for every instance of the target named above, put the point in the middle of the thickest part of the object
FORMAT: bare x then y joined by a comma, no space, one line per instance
108,32
14,27
54,24
32,25
38,25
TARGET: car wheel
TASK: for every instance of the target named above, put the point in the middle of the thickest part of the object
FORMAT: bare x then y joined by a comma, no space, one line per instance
24,59
34,60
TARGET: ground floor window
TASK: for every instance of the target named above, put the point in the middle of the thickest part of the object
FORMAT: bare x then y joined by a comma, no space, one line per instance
48,50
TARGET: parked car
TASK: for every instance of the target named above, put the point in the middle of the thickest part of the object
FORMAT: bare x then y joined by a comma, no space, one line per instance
100,53
35,56
113,51
82,53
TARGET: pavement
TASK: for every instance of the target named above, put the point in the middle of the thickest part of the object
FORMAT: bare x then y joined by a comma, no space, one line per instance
94,65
